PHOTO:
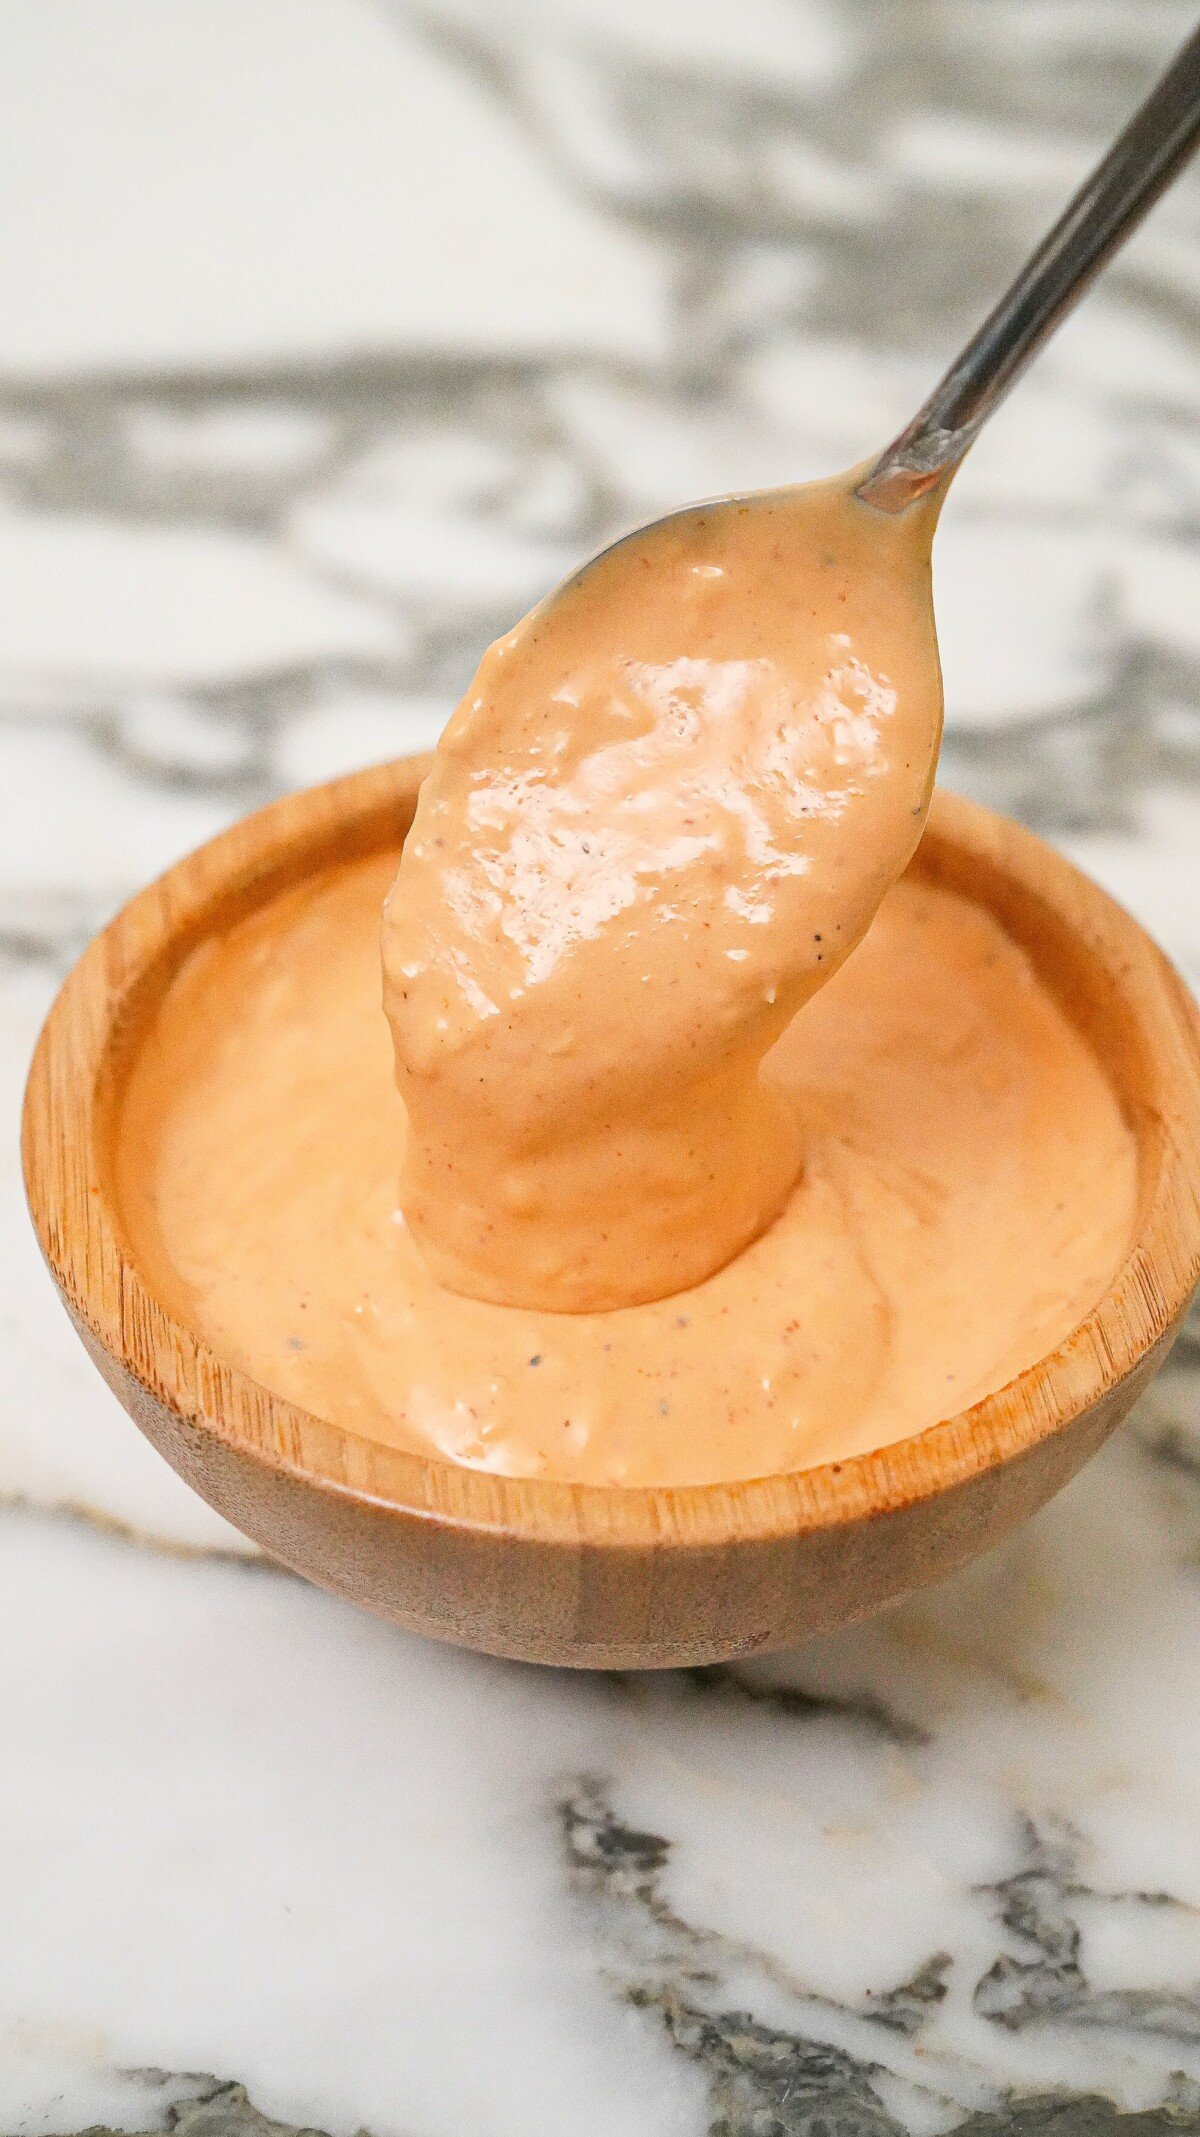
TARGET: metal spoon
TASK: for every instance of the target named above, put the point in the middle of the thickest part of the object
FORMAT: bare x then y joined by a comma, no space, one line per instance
1108,207
1141,164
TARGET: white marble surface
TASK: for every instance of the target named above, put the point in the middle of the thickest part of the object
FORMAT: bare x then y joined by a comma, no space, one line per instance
330,332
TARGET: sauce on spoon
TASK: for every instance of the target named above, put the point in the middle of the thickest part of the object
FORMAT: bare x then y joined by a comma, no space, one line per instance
664,814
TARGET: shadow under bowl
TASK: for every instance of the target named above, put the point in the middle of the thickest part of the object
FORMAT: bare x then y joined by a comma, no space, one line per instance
597,1576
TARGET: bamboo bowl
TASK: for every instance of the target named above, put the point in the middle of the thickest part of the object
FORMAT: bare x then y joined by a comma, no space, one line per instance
610,1577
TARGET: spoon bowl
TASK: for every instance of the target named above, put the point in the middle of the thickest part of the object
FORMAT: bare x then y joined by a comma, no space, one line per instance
610,1577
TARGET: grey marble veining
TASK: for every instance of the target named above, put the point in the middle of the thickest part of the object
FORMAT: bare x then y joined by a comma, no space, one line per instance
259,514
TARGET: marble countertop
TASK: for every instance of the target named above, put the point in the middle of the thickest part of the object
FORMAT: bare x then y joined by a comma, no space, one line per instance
331,332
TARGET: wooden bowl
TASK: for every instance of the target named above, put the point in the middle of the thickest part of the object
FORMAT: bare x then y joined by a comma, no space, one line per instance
608,1577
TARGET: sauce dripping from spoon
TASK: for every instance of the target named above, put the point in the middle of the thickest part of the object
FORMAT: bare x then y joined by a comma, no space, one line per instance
665,812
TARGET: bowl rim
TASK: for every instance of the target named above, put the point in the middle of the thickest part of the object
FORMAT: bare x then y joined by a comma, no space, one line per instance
93,1022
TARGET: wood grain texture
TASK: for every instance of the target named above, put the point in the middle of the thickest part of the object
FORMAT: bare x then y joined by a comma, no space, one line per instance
607,1577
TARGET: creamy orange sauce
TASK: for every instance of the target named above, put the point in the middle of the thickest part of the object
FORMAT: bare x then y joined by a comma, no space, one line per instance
663,815
965,1195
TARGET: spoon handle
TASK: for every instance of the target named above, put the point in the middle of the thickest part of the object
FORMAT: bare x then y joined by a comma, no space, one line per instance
1138,167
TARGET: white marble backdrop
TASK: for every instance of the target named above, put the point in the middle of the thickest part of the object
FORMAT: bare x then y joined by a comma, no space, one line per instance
331,332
